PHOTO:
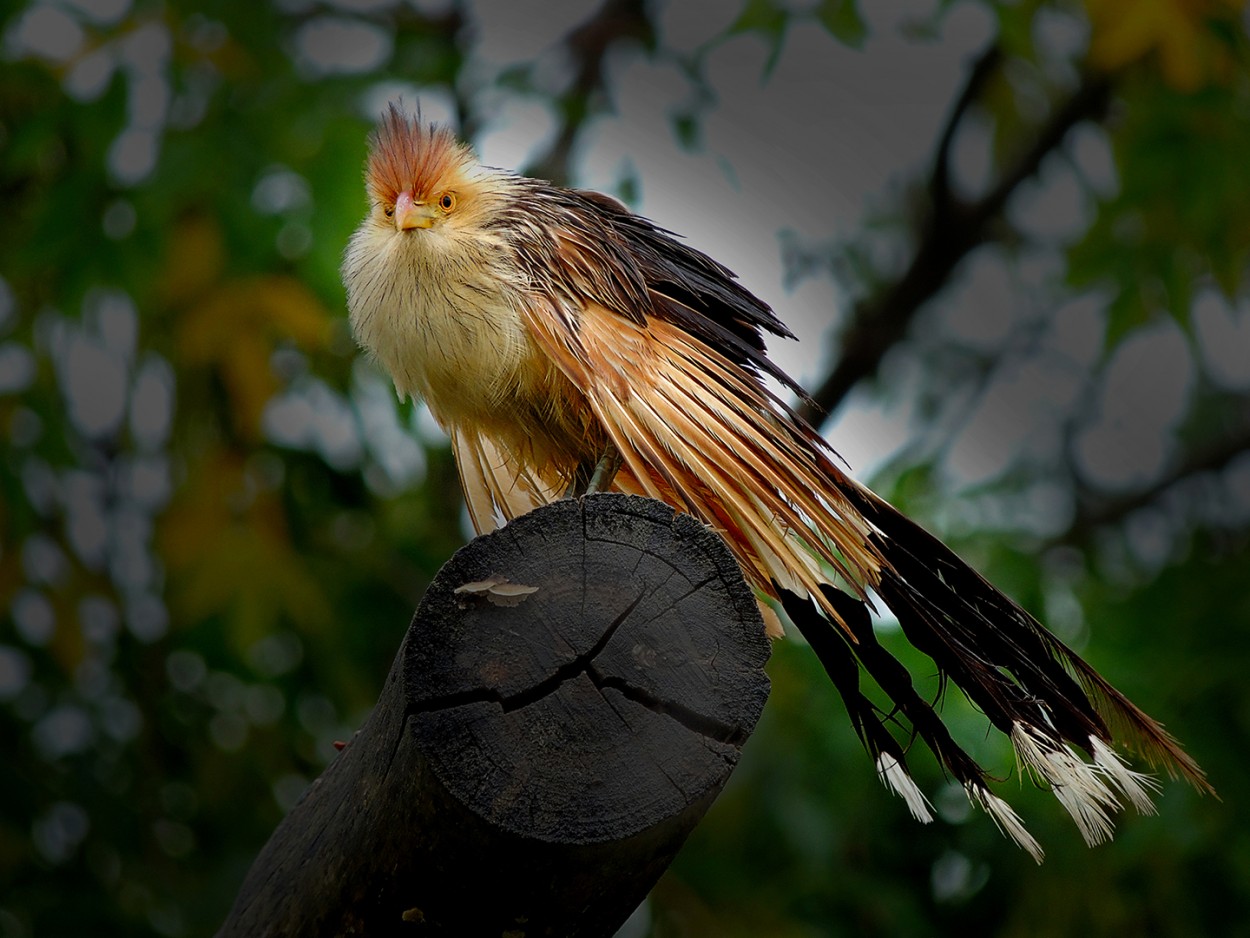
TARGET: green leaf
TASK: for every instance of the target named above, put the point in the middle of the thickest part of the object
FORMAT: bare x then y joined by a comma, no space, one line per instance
686,127
842,19
1125,313
761,16
770,21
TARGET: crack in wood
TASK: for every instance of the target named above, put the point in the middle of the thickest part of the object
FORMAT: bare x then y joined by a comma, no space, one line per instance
696,722
509,702
692,720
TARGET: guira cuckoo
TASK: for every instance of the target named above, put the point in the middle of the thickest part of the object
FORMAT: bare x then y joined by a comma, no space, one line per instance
567,344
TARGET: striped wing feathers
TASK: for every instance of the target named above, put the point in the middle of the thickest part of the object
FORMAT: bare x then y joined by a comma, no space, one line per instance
699,431
692,425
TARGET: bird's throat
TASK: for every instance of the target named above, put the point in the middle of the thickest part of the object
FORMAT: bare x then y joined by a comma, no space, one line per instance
453,335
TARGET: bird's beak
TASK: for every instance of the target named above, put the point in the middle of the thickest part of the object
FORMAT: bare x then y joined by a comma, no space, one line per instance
409,213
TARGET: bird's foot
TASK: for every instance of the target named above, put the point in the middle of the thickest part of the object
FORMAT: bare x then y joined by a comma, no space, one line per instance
588,480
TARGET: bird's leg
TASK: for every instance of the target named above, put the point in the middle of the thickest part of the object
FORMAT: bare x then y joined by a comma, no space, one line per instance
605,471
589,479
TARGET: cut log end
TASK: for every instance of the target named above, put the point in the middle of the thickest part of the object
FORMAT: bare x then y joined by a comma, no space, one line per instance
570,698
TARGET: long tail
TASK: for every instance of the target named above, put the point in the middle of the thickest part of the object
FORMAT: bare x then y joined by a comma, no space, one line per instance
706,436
1029,684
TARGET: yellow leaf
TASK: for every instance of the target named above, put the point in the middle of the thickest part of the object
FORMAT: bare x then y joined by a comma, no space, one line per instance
235,328
1184,56
227,546
249,381
1124,32
293,312
194,261
204,330
201,512
1179,33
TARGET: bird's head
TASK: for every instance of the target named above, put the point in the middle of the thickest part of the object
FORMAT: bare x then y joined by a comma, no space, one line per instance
420,179
434,229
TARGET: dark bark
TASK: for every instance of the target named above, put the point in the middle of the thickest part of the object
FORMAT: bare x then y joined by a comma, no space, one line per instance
536,758
587,47
1095,511
951,229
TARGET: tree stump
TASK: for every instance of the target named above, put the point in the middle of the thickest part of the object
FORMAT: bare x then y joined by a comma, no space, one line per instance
570,698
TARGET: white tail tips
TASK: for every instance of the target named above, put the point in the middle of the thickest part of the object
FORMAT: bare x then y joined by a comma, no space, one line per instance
1006,819
894,777
1137,787
1088,791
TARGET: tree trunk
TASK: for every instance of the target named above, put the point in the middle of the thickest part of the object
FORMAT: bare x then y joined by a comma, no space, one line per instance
570,698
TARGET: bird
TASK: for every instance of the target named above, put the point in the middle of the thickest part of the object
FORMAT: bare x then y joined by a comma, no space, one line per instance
570,346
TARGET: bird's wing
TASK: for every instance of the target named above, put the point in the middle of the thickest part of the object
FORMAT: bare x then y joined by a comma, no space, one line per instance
654,274
678,391
698,431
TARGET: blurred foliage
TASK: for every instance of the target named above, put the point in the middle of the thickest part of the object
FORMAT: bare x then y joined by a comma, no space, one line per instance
217,520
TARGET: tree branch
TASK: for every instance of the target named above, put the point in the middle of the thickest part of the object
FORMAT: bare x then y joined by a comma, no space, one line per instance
949,233
983,69
588,45
1095,512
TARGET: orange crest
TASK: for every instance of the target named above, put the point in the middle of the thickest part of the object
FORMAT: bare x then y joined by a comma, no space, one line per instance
406,155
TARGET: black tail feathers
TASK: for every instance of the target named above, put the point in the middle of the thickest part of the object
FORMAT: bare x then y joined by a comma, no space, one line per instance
1029,684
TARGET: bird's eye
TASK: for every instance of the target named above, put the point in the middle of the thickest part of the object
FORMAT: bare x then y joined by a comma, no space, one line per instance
390,210
447,201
